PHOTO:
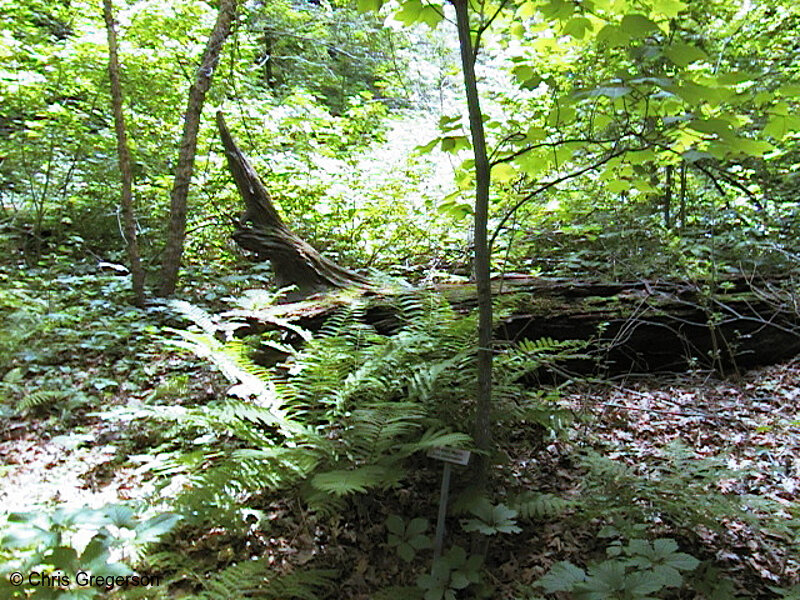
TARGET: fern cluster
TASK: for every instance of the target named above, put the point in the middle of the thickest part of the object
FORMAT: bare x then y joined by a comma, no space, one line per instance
339,416
343,413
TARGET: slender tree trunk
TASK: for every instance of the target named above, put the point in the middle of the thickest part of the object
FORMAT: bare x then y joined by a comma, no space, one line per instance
128,218
668,197
682,194
483,408
176,232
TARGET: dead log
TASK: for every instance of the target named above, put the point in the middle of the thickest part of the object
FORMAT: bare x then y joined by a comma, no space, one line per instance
261,230
629,326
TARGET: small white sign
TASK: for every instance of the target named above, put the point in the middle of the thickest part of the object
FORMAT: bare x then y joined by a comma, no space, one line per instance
451,455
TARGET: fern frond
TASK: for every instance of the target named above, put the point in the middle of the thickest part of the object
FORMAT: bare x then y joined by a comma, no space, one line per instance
40,398
532,505
196,315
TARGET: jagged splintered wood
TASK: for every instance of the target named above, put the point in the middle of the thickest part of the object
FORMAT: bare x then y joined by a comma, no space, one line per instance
262,231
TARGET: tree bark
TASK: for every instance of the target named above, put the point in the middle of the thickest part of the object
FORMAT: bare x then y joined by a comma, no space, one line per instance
629,327
123,152
483,406
262,231
176,232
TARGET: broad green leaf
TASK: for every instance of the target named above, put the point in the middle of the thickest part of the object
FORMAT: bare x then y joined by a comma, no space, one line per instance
694,93
577,27
416,526
561,577
369,5
152,529
779,126
454,143
667,576
503,173
409,12
683,55
431,16
736,77
120,515
718,127
557,9
613,35
426,148
669,8
535,134
612,92
638,26
63,558
789,90
406,552
618,186
394,523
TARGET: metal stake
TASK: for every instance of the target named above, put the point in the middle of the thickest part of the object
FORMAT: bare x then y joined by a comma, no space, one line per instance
439,540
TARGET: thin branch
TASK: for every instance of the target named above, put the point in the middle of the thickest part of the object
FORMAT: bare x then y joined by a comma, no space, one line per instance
522,151
550,184
482,29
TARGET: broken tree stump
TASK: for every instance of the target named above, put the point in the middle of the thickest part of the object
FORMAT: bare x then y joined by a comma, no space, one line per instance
261,230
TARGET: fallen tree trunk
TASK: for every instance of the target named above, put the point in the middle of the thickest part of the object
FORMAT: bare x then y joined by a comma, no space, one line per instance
629,326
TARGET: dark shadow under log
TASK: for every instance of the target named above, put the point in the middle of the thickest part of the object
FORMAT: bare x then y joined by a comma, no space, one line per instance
630,327
261,231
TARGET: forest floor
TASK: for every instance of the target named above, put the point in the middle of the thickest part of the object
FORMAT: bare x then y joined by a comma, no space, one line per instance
750,426
678,453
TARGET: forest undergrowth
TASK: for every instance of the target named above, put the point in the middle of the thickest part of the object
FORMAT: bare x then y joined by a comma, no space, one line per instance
706,467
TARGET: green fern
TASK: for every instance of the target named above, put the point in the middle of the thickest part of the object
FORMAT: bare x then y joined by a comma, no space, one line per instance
255,579
536,506
343,412
39,399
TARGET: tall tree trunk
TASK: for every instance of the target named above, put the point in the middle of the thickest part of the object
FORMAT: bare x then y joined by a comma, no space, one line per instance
176,232
682,196
668,197
123,152
483,407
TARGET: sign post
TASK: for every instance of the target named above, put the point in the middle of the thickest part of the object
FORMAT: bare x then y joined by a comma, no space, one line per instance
450,457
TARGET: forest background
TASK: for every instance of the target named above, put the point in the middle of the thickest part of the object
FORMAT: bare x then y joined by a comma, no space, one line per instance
625,141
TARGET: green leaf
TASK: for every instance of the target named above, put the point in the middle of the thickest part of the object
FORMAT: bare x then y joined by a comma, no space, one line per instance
613,35
638,26
577,27
431,16
406,552
683,55
152,529
789,90
682,561
394,523
779,126
369,5
343,482
561,577
454,143
416,526
503,173
427,148
120,515
718,127
612,92
63,558
669,8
